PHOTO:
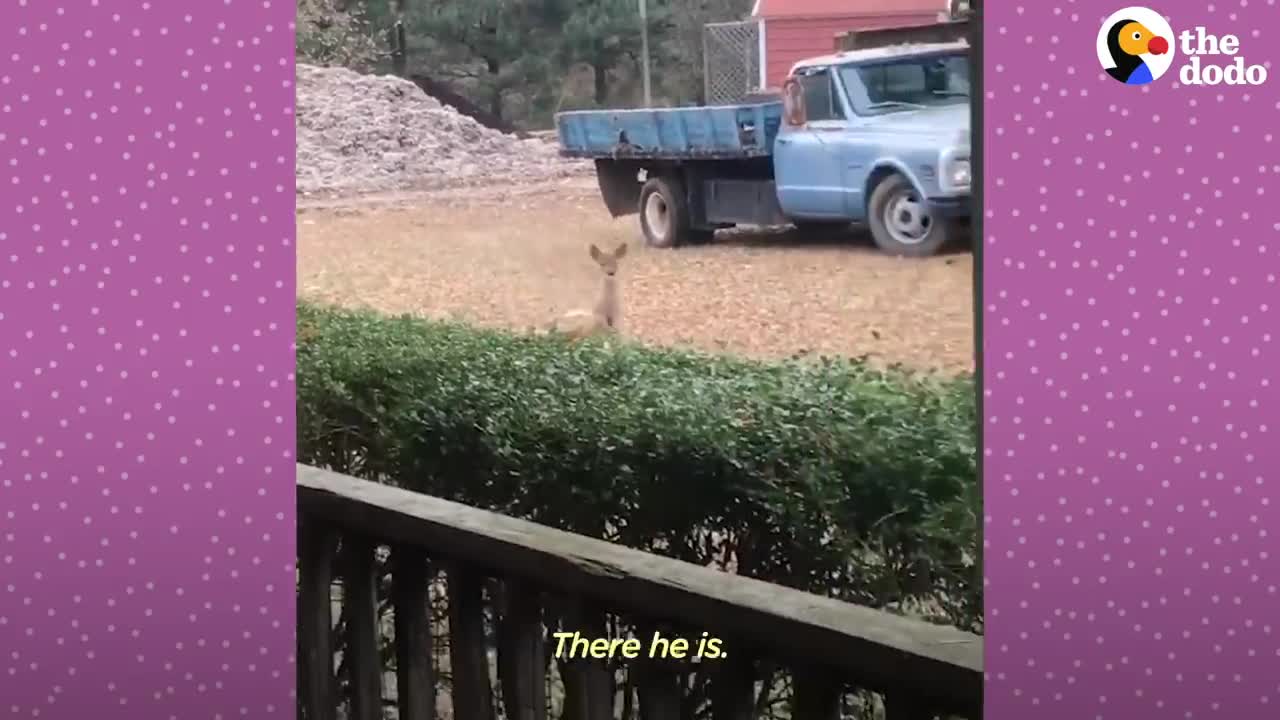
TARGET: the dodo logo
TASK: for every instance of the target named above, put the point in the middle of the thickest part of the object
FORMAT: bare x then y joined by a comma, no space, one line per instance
1135,45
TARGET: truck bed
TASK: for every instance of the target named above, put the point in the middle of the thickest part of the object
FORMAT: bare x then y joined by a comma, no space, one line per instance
727,131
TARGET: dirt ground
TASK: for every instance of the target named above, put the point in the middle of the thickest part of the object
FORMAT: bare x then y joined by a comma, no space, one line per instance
517,258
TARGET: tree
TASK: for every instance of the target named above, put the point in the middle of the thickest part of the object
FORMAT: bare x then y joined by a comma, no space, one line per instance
686,43
502,44
603,33
330,32
515,58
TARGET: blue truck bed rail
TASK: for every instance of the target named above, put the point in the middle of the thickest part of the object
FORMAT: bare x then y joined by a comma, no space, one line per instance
728,131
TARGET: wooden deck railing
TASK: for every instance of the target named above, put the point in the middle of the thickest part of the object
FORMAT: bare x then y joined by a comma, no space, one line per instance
536,578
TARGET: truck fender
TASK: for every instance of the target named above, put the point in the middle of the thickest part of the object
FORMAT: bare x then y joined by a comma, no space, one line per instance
619,182
886,166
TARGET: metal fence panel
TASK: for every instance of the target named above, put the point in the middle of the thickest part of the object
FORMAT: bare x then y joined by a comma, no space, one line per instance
731,60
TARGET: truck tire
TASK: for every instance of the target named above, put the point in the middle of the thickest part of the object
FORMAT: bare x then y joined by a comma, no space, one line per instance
901,224
664,215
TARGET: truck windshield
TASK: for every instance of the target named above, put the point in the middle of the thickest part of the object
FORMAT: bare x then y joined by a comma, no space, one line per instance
910,83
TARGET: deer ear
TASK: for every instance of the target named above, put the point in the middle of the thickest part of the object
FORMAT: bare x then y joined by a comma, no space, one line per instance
595,252
622,250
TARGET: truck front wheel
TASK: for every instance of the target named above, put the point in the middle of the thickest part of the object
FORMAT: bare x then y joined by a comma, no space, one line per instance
902,223
664,215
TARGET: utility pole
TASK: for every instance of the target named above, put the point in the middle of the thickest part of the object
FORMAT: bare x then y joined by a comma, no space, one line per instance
644,52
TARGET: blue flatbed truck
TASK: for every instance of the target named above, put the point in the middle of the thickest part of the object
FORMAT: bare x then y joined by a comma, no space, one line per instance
877,135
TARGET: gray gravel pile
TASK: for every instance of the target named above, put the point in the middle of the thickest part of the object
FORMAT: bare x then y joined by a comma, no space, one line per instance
372,133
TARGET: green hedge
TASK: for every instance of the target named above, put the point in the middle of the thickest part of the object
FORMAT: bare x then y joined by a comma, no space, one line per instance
829,476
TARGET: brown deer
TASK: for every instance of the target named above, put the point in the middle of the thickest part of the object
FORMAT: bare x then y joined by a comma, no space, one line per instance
605,316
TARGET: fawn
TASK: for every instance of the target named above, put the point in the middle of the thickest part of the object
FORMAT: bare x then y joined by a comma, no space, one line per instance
604,317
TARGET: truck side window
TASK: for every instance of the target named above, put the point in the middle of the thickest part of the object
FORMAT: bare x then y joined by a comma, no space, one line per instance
820,100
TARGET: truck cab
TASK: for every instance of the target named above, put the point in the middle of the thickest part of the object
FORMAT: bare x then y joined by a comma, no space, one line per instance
879,136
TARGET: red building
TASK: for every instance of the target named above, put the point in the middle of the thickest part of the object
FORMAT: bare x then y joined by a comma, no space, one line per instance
792,30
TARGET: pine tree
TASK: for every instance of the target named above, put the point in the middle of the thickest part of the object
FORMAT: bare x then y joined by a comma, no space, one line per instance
604,33
508,40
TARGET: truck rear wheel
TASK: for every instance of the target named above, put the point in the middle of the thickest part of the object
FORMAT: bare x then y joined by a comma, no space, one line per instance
902,223
664,215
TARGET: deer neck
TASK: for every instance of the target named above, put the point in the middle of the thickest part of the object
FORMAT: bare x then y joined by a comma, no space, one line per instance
608,307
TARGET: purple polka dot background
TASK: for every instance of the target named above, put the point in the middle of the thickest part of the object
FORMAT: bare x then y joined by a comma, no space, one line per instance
146,330
1131,311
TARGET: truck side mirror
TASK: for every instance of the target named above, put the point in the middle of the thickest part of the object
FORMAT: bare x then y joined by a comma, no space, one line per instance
793,110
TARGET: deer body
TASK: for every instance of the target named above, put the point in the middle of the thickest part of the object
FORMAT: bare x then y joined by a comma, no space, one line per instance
605,315
609,306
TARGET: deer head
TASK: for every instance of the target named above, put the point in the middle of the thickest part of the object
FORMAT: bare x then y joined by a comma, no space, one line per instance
608,261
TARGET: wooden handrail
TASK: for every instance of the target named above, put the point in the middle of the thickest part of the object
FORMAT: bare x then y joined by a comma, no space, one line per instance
908,660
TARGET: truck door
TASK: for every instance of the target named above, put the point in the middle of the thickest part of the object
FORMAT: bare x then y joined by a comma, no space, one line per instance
807,157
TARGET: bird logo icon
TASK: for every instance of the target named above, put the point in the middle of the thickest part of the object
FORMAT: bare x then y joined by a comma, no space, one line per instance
1135,46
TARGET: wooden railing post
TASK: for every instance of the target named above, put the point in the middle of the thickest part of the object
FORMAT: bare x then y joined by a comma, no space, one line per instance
522,653
907,707
588,683
468,654
817,694
733,686
411,597
657,679
360,596
316,547
658,687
